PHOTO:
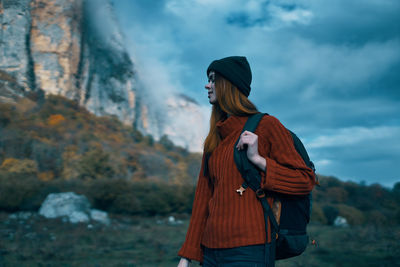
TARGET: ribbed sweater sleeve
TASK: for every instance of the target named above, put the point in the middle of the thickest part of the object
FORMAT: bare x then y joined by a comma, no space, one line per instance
286,171
191,248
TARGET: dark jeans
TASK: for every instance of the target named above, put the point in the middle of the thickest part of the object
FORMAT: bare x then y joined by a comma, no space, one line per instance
247,256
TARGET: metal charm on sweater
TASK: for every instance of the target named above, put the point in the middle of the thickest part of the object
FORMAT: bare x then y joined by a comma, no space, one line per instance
241,189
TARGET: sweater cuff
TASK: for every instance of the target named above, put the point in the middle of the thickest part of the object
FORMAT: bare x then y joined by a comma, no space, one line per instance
269,181
192,253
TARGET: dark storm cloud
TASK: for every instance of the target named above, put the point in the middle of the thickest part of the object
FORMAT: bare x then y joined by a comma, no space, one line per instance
246,19
352,22
355,150
327,69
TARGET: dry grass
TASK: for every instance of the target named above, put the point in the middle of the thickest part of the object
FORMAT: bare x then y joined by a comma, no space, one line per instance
152,241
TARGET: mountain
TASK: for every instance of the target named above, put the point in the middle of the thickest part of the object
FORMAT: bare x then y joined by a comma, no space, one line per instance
184,111
75,49
176,116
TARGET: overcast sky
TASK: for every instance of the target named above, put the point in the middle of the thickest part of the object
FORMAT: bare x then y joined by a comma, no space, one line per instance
328,70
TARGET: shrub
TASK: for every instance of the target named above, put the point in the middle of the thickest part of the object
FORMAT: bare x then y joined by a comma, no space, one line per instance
140,198
113,195
15,143
46,176
136,135
7,114
396,218
166,143
155,200
336,194
148,140
95,164
376,217
71,159
155,164
330,213
47,156
22,166
20,191
354,216
317,214
55,119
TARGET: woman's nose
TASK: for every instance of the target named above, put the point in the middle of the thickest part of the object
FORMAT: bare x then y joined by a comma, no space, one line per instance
207,86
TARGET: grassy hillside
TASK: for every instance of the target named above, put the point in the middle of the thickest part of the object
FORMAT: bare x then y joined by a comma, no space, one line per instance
53,145
55,138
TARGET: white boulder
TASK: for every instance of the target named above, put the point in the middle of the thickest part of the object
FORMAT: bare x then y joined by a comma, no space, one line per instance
340,222
100,216
72,207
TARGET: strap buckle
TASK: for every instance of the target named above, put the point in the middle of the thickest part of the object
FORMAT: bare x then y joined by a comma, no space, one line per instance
260,193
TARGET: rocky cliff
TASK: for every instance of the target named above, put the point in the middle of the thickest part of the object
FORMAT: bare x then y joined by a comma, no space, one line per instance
75,48
57,46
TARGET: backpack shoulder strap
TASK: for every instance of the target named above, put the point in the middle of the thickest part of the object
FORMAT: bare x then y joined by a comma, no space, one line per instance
252,179
240,157
252,122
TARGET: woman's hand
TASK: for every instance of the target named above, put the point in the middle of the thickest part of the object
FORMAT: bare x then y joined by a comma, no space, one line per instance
251,140
184,263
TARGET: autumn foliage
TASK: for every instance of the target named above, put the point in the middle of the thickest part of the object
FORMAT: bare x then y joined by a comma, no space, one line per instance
58,139
55,145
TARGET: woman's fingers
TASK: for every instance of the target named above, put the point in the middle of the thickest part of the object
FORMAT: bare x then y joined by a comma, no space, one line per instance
247,138
242,140
250,140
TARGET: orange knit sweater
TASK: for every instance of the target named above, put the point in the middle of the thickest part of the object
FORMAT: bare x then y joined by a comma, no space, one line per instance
221,218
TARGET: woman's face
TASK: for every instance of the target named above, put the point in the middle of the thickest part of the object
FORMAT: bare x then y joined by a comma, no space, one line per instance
210,87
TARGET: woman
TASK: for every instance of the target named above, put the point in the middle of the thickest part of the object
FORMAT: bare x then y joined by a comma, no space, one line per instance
227,227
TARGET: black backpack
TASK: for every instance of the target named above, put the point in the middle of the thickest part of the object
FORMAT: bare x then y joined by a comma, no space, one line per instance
295,210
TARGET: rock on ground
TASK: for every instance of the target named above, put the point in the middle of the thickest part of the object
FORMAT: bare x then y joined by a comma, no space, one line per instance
72,206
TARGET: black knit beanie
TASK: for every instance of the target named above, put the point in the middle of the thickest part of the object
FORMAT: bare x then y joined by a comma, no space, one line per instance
235,69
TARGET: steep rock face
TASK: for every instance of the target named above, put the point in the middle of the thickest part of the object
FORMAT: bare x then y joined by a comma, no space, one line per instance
75,48
58,46
55,44
111,83
14,38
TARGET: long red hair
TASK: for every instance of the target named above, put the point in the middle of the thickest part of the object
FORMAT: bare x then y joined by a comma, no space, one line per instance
230,102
